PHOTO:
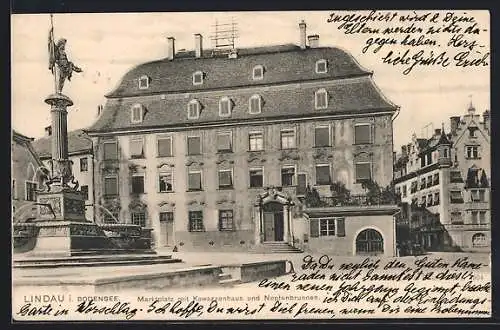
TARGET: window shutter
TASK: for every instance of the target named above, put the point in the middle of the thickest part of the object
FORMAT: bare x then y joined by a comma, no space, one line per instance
341,227
314,227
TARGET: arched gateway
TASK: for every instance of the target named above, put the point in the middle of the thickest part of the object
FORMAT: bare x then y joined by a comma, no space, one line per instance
273,215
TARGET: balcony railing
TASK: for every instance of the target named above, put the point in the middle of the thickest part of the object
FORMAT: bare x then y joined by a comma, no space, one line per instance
356,200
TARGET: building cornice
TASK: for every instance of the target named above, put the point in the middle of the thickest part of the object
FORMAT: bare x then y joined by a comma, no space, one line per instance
340,211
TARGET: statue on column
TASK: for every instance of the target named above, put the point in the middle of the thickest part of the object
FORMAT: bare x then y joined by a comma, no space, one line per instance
59,64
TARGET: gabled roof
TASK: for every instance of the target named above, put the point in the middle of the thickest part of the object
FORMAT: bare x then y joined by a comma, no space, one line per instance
78,142
282,63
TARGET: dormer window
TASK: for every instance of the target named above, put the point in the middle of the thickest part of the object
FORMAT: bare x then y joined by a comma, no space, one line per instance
255,104
144,82
258,72
321,66
193,109
198,78
136,113
321,99
225,107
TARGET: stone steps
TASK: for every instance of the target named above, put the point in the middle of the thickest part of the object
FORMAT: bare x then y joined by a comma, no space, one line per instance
229,282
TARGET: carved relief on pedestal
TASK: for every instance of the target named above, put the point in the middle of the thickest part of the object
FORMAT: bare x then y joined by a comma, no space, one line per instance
52,209
74,206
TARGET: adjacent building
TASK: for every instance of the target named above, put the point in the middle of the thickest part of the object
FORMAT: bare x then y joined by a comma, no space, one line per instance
445,182
27,175
80,153
215,150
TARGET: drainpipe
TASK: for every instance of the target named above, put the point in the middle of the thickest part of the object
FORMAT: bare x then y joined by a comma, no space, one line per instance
93,173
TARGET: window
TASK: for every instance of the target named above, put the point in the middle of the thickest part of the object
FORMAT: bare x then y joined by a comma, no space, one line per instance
144,82
436,198
256,177
472,152
477,195
363,172
456,177
225,107
110,186
193,145
327,226
167,216
226,222
482,217
139,218
224,142
322,136
165,146
435,180
14,189
166,182
84,165
321,66
198,78
194,180
456,197
110,151
256,141
476,178
196,221
429,200
429,158
474,217
193,109
362,134
111,217
479,240
323,174
31,188
137,148
301,184
403,191
288,139
445,153
413,187
429,181
85,191
288,176
422,184
225,179
255,104
138,184
321,99
136,113
258,72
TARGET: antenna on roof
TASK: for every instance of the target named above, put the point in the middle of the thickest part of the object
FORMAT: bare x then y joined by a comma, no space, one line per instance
224,36
425,130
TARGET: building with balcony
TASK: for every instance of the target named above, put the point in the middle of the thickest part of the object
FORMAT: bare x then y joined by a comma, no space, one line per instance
215,151
27,176
444,181
80,152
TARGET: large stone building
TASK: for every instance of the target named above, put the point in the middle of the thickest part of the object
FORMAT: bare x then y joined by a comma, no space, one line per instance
215,150
444,180
27,175
80,152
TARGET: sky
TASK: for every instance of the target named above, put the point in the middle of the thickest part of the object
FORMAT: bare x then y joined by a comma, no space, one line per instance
107,45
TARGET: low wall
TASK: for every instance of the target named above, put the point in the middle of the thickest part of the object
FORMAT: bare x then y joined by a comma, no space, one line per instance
256,271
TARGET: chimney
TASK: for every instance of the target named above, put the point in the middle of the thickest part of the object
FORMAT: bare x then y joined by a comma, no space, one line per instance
302,28
48,131
233,53
486,119
313,41
404,150
198,45
171,48
437,132
454,122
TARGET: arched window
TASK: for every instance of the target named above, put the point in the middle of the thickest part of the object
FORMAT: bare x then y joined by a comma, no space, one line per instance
193,109
136,113
369,242
225,107
255,104
321,99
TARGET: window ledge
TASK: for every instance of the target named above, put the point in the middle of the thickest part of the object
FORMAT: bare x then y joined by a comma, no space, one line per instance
194,190
194,154
226,188
328,146
259,187
170,156
166,192
363,143
227,151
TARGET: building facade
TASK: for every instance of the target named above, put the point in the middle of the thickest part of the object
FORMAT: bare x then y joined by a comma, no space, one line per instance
215,151
81,154
26,175
444,182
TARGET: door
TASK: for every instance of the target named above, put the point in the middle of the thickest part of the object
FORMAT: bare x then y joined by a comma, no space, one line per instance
278,226
167,228
301,184
169,233
268,226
